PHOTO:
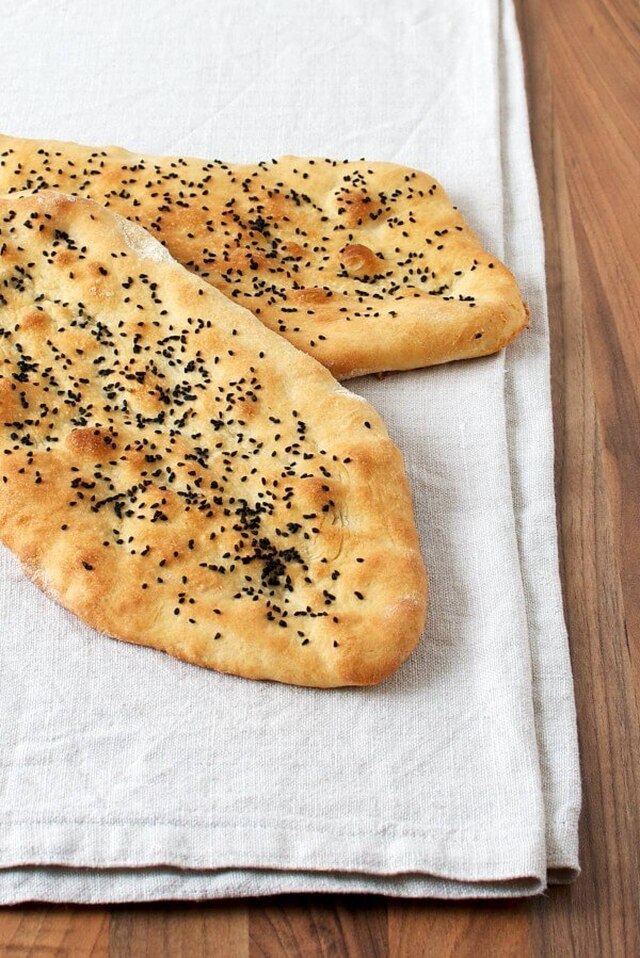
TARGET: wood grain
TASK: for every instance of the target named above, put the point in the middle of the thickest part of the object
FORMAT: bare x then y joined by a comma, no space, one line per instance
179,931
599,914
49,931
319,925
583,76
467,930
596,73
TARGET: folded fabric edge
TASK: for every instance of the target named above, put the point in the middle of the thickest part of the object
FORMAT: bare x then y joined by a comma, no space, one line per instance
112,886
561,784
562,876
466,858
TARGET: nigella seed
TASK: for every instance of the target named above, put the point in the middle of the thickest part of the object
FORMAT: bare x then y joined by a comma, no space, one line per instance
266,560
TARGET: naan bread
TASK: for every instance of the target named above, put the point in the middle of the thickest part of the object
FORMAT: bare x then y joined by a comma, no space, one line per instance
181,478
366,266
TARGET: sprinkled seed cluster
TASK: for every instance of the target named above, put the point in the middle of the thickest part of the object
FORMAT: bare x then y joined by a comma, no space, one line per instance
311,246
157,445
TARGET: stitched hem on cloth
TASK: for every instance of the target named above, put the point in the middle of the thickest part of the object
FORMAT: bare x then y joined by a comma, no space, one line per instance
466,858
105,886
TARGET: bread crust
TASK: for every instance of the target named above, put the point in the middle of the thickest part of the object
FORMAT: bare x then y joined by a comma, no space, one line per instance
181,478
365,266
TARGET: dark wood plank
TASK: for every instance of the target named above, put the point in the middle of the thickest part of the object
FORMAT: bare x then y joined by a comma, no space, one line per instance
600,907
50,931
318,926
595,67
599,914
168,930
464,930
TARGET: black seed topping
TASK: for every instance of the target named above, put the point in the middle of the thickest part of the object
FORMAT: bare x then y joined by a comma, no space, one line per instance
190,442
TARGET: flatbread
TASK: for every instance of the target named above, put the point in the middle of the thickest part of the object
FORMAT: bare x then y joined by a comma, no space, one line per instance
366,266
180,477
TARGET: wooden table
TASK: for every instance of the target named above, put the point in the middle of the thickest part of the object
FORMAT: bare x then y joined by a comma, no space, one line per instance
583,72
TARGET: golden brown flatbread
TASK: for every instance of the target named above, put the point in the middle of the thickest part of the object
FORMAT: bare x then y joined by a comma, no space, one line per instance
180,477
366,266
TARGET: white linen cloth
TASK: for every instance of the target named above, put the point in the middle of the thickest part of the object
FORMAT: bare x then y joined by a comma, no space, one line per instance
126,775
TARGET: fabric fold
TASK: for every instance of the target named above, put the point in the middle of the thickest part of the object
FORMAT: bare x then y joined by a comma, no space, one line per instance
529,415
